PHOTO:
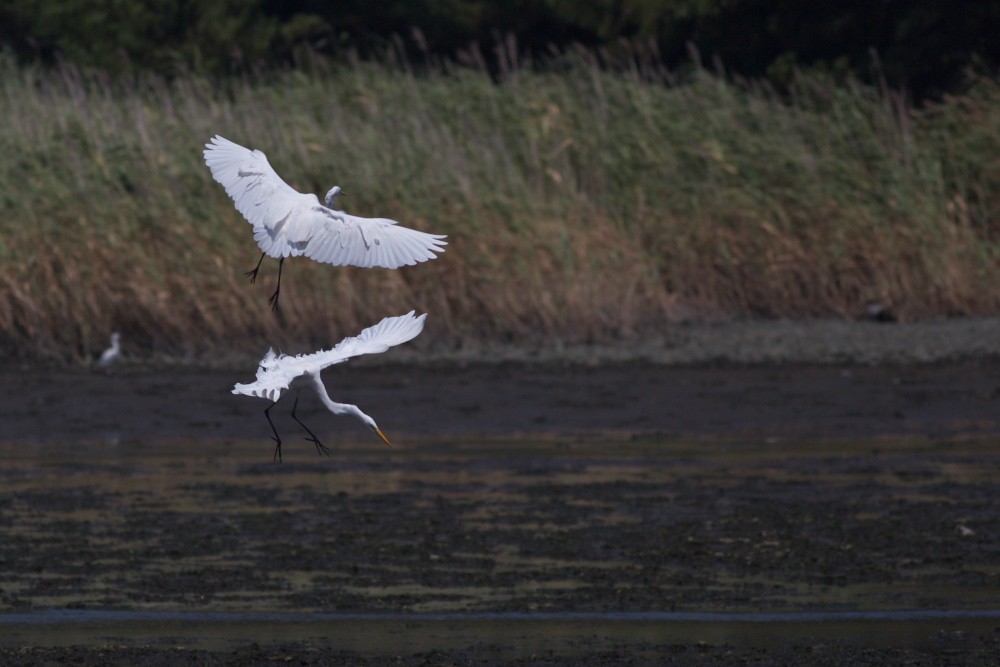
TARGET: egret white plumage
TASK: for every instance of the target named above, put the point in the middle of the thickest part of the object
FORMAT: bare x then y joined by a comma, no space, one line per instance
278,373
111,355
287,223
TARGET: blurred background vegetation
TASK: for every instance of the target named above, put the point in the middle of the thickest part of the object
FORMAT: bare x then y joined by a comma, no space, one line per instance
924,46
603,169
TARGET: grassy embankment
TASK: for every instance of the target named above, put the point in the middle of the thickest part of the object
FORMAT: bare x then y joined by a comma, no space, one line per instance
580,205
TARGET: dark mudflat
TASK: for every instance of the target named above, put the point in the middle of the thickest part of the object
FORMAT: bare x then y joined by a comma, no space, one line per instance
510,488
505,399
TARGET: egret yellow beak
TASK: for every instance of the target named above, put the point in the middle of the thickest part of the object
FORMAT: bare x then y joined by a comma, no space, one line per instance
382,435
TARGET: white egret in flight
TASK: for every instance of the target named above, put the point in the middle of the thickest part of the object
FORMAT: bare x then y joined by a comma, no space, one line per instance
287,223
278,373
110,355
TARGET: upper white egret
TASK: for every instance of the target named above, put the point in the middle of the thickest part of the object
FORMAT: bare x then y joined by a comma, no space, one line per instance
287,223
110,355
278,373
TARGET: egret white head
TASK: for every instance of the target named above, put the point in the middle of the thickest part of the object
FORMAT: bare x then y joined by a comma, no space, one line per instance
370,423
332,195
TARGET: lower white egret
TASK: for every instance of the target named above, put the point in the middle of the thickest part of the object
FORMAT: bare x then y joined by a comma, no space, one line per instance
111,355
278,373
287,223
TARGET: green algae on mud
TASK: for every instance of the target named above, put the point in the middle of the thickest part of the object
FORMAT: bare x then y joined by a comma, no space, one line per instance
558,523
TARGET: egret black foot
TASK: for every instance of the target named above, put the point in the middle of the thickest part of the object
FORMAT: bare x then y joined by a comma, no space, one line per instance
277,450
252,275
274,299
320,447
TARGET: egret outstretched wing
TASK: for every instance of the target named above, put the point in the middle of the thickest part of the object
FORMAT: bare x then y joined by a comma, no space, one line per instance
378,338
272,380
264,199
342,239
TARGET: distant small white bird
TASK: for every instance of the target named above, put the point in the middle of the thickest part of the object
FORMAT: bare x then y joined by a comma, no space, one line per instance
278,373
111,355
287,223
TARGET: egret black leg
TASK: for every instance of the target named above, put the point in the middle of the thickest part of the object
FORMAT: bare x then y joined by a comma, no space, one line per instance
277,449
320,447
252,275
274,297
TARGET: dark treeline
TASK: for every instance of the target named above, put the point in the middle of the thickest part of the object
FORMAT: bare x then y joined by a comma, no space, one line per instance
924,46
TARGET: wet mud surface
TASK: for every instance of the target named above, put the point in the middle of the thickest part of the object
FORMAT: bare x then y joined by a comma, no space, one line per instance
834,400
525,489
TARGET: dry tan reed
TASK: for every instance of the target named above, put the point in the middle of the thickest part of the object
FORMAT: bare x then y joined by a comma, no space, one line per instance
580,204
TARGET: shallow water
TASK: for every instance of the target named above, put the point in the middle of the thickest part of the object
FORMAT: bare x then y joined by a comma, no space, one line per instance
446,542
507,635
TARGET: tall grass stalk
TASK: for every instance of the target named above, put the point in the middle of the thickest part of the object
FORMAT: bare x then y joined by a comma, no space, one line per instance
580,204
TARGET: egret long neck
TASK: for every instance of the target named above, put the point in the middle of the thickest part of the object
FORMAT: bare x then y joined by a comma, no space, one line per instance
331,405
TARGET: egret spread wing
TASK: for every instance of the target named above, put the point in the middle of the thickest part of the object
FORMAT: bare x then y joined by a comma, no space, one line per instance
273,378
272,206
342,239
375,339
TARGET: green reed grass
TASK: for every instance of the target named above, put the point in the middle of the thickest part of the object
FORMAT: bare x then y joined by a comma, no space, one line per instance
580,204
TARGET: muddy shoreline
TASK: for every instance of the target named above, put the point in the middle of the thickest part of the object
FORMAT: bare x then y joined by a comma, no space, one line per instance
814,401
